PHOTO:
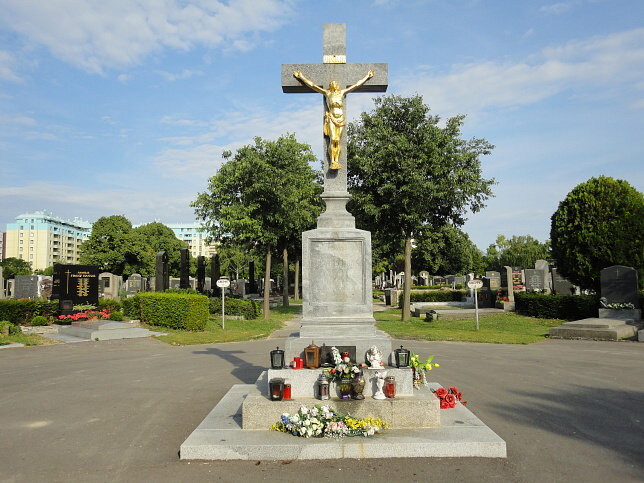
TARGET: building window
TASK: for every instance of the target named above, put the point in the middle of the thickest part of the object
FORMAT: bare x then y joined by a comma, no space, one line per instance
31,233
20,249
31,257
31,242
22,227
21,242
21,235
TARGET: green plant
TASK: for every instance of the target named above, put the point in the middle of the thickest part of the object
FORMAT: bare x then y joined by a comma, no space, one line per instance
420,367
435,296
39,320
109,305
22,311
9,328
179,311
117,316
131,307
247,308
567,307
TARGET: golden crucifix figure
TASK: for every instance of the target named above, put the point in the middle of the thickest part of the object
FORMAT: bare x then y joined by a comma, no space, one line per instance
334,120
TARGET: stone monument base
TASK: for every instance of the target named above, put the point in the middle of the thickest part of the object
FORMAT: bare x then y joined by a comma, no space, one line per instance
597,329
295,345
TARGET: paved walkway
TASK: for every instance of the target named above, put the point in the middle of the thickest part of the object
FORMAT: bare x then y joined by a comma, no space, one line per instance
118,410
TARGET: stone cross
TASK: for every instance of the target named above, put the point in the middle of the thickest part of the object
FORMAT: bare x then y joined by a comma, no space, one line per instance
334,67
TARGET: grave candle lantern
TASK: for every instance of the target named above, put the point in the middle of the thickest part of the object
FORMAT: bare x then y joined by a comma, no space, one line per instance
277,359
322,389
390,387
312,356
276,389
402,357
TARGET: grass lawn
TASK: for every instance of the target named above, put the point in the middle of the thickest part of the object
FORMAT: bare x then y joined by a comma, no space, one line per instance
25,339
235,330
506,328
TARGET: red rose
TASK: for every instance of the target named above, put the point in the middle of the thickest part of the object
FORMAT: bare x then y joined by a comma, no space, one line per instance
444,404
451,405
450,399
441,392
332,371
464,403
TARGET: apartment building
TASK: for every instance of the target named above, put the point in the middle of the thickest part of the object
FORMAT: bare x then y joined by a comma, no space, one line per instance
196,238
43,239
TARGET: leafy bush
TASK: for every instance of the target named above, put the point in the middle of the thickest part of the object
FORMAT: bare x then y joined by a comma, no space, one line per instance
567,307
117,316
175,310
181,290
249,309
132,307
437,296
39,320
13,329
22,311
109,305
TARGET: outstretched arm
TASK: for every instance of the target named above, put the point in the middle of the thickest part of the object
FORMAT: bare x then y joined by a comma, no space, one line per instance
369,75
298,75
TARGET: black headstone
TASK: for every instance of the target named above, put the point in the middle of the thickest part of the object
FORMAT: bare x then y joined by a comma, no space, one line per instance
560,285
162,274
619,284
252,287
25,287
78,283
215,268
184,276
534,279
201,273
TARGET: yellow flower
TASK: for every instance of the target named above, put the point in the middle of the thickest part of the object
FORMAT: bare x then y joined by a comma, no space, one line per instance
436,365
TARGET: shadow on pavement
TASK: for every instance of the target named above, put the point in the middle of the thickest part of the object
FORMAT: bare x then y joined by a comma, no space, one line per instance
242,370
611,419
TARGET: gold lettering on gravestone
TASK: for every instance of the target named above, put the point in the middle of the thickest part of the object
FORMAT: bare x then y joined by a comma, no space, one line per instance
82,290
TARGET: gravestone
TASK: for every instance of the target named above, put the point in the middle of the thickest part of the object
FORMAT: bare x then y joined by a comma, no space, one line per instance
534,280
560,285
184,274
424,276
162,272
439,281
76,283
508,279
134,284
619,284
252,281
215,268
201,273
495,279
175,282
2,292
545,268
111,285
239,287
44,286
459,280
207,284
25,287
336,257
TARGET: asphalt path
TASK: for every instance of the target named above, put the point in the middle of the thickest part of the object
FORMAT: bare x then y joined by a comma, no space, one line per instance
119,410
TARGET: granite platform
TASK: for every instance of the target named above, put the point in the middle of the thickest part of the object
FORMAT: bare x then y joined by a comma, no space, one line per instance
220,437
597,329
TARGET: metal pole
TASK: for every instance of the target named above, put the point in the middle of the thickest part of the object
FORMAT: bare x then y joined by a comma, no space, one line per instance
223,311
476,309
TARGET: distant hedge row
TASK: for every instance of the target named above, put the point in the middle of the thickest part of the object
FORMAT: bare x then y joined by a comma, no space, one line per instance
22,311
249,309
437,296
174,310
566,307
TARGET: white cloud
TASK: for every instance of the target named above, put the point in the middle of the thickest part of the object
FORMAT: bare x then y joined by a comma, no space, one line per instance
184,74
557,8
97,35
612,60
19,120
7,67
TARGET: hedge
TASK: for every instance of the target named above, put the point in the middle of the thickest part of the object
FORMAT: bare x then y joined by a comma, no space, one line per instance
22,311
437,296
110,305
249,309
131,307
566,307
178,311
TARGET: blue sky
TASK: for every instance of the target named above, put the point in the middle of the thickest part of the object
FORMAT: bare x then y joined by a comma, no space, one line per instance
124,107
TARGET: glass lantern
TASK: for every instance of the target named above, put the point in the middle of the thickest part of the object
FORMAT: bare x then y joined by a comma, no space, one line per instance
390,387
312,356
277,358
276,389
402,357
322,388
287,390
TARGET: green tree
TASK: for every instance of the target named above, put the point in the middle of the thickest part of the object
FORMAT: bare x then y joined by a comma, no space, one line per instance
160,237
407,175
445,251
261,197
12,266
600,223
115,247
518,251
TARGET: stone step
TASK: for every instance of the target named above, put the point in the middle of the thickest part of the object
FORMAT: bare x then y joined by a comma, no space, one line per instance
596,328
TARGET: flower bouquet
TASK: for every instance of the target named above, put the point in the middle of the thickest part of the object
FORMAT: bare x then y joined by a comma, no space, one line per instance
419,368
323,421
448,398
344,368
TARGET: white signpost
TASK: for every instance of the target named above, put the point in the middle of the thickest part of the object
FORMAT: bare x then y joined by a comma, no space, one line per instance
223,283
476,284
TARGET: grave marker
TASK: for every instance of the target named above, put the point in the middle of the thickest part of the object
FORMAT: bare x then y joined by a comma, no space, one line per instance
619,284
76,283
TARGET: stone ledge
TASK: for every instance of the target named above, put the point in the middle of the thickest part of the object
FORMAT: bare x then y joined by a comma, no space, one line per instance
596,328
220,437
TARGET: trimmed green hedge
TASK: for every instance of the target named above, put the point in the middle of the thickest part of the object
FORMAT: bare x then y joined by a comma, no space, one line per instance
566,307
249,309
131,307
13,329
22,311
437,296
178,311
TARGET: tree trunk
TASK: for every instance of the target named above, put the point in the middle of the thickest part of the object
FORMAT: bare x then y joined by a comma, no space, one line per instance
285,277
267,285
296,294
407,287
